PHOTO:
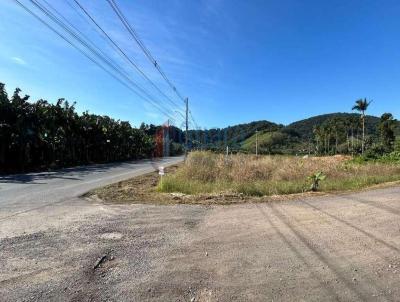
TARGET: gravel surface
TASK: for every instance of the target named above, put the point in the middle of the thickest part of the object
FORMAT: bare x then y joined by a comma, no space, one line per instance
337,248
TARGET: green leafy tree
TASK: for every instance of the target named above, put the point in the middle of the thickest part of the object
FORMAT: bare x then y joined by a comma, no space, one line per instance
386,130
40,135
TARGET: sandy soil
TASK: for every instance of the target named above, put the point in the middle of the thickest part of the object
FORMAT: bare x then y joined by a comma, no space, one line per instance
338,248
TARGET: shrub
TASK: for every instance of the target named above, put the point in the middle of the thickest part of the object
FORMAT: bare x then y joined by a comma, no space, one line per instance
393,157
375,151
397,145
316,178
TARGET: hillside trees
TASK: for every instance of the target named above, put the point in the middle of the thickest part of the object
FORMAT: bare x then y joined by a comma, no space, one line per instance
386,129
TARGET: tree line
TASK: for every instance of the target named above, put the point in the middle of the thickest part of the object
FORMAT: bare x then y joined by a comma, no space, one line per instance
349,134
40,135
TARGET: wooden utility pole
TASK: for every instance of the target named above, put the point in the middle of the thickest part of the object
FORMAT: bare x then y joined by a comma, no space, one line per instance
167,139
187,127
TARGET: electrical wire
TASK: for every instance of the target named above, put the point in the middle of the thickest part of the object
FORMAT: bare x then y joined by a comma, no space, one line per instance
122,53
136,37
106,60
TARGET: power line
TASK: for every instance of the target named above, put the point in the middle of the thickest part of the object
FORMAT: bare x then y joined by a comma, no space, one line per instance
69,42
148,54
91,51
193,120
121,52
96,27
101,56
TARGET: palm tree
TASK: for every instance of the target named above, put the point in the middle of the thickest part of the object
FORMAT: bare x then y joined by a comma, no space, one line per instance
362,106
318,137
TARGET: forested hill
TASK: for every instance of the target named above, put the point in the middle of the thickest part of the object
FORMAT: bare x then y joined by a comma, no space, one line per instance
304,128
328,132
232,135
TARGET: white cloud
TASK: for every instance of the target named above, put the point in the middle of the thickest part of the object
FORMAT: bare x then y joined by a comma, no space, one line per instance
18,61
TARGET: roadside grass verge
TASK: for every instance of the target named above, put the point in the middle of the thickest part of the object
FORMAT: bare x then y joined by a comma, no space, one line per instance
208,178
209,173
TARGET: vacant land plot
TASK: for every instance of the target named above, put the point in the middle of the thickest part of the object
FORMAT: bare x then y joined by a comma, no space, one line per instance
206,172
339,248
145,189
207,178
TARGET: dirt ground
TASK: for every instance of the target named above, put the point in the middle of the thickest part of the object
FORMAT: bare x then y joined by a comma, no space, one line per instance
337,248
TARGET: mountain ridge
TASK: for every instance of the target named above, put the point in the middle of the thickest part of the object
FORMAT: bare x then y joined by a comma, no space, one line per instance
278,138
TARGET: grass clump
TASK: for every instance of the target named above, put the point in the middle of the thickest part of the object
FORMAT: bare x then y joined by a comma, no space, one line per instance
207,172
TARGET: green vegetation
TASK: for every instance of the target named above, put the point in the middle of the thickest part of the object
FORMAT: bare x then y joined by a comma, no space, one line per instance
328,134
276,142
207,172
386,128
316,179
362,106
40,135
233,136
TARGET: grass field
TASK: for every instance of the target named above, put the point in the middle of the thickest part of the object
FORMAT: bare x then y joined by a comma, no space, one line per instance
206,172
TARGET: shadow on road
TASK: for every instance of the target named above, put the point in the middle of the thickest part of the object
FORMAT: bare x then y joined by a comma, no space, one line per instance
322,258
299,256
33,179
74,173
365,233
375,204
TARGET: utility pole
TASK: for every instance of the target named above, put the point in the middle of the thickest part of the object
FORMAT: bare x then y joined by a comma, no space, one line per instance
256,142
187,127
166,142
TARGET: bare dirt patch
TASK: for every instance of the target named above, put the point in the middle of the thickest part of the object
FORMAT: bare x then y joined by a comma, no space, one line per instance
141,189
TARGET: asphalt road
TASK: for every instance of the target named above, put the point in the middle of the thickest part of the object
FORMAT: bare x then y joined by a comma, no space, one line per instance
24,192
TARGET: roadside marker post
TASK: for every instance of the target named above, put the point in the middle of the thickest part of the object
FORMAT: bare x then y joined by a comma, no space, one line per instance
161,173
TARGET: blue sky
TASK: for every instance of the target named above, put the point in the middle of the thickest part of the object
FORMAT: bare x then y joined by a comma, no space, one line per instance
238,61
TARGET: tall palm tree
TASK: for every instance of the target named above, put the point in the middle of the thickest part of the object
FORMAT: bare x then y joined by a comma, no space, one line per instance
362,106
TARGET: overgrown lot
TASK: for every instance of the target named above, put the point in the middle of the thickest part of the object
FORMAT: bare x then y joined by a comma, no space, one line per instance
206,172
210,178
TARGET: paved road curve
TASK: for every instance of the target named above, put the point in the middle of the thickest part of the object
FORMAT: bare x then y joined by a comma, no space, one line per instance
29,191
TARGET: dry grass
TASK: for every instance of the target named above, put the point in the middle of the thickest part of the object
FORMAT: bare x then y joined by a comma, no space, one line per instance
206,172
207,178
143,189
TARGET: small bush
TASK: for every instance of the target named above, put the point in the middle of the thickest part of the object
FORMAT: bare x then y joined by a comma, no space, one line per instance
316,178
388,158
393,157
375,151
